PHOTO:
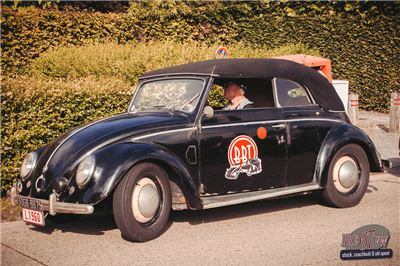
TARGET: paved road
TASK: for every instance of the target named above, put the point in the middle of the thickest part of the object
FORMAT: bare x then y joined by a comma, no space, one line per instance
376,126
293,231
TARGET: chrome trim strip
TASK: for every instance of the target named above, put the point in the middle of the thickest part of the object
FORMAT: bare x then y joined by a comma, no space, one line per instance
238,198
279,126
332,111
143,82
274,121
202,101
53,206
234,124
162,133
68,137
275,93
134,91
178,74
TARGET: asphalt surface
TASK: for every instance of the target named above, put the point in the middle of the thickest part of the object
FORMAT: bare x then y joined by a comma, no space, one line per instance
376,126
291,231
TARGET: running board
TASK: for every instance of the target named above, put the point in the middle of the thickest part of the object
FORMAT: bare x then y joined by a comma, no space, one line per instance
237,198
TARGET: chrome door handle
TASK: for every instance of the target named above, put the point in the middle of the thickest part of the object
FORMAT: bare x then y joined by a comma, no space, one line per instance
279,126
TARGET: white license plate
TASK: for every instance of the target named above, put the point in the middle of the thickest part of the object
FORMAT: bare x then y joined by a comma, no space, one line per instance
33,217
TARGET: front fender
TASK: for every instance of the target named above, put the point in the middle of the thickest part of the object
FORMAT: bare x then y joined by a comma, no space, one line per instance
336,138
113,162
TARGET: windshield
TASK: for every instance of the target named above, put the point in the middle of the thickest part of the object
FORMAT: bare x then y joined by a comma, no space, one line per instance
172,94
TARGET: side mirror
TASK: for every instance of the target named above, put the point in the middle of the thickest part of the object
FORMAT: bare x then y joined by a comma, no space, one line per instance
208,112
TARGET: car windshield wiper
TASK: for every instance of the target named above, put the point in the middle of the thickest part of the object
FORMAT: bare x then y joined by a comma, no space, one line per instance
174,109
147,108
170,109
191,100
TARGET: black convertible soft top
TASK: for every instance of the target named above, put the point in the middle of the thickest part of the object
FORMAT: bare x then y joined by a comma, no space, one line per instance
321,89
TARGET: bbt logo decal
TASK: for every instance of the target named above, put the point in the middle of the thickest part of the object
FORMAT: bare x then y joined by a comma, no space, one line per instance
243,157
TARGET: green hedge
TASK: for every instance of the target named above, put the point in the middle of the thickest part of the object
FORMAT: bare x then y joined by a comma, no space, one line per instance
35,112
362,39
127,62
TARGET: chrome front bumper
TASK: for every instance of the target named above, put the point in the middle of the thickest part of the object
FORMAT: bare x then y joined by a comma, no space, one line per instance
52,205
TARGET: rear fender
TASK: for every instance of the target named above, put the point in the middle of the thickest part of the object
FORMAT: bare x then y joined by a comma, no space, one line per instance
338,137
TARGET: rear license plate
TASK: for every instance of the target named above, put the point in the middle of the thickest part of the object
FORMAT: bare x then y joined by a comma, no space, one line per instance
33,217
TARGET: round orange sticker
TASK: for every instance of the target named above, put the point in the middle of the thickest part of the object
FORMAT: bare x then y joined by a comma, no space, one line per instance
261,133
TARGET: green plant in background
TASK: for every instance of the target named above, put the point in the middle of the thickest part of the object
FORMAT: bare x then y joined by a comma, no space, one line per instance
128,61
362,39
35,112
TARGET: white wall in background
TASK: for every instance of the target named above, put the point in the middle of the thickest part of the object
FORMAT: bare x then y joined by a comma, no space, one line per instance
342,89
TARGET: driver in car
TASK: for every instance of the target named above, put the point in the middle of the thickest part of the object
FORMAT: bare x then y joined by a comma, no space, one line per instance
234,93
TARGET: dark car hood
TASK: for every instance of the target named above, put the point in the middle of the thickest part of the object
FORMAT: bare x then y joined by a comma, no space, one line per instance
63,154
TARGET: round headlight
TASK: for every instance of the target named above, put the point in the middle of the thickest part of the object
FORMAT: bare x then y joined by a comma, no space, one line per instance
85,171
28,165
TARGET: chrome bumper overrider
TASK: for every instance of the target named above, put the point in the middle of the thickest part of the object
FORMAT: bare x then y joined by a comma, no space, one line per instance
51,205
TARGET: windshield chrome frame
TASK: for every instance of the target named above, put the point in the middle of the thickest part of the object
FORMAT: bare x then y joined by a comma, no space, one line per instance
153,79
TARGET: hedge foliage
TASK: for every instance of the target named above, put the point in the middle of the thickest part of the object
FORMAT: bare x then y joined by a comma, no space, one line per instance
128,61
35,111
362,39
69,86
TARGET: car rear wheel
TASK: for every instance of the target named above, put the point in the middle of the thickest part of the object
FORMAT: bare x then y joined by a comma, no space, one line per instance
348,177
142,203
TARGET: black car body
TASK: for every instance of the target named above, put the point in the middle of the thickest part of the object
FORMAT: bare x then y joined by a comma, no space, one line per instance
170,150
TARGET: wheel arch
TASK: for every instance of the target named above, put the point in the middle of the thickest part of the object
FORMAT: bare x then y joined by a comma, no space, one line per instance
338,137
116,160
179,197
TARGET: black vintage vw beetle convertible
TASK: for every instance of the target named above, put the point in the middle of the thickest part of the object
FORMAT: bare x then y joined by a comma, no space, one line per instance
172,150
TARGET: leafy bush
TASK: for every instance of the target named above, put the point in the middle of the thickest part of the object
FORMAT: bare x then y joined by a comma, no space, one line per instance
34,112
128,61
362,39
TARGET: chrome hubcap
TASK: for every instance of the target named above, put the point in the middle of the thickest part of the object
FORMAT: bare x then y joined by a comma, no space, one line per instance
145,200
345,174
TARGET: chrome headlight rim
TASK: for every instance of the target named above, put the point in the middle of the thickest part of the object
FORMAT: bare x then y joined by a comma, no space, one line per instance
28,165
85,171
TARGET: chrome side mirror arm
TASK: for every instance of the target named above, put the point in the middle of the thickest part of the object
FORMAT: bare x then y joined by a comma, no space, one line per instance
208,112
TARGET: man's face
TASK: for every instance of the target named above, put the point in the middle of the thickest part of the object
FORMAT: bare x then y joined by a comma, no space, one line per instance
230,92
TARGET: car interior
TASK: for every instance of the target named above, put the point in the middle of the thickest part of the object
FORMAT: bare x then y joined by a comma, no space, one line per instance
258,91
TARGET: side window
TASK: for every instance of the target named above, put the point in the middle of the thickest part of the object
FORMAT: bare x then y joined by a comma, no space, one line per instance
290,93
257,90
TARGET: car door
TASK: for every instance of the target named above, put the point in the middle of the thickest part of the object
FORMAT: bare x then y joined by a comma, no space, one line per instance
301,116
243,150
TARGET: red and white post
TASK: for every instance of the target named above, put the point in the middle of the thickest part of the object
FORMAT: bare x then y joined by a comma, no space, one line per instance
353,108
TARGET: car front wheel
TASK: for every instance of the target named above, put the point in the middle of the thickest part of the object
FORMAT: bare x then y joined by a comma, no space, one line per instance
348,177
142,203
